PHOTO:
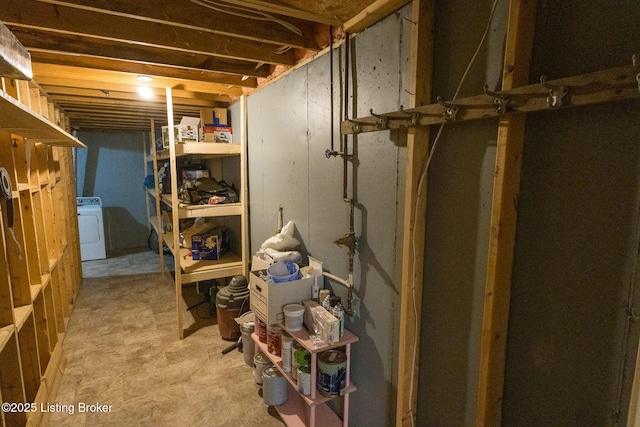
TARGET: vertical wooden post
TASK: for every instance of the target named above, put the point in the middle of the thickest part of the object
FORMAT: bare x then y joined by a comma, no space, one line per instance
506,187
415,208
176,224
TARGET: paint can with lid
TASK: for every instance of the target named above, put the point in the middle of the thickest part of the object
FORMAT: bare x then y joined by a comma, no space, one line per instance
273,339
332,373
304,379
300,357
274,387
261,329
260,363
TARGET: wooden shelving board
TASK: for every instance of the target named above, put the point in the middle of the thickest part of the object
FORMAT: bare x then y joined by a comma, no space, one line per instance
5,335
18,119
35,290
195,211
202,149
21,314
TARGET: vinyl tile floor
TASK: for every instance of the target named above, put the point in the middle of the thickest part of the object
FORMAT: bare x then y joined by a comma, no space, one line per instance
122,353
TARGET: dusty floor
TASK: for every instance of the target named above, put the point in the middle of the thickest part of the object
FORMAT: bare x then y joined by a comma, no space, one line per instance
122,351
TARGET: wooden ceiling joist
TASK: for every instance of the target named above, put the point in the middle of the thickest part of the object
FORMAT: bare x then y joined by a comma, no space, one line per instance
155,70
90,94
281,30
82,45
73,21
72,76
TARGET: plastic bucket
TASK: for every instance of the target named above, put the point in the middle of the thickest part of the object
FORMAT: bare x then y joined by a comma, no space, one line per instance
293,316
283,271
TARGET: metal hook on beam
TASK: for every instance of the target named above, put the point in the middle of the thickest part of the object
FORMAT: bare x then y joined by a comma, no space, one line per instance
500,100
356,126
555,94
451,110
382,121
414,117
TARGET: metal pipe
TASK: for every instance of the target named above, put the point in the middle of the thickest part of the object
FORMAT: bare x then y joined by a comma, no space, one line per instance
331,82
345,140
338,279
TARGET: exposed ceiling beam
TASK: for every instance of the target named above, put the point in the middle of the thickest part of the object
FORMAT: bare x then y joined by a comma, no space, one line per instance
281,30
72,76
73,21
39,39
372,14
159,95
303,9
154,70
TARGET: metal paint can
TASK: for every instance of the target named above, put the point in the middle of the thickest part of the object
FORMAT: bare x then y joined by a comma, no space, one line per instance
273,339
332,373
304,379
262,330
274,388
301,357
260,363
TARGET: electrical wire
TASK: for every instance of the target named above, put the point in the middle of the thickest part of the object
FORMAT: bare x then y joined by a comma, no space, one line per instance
244,13
420,185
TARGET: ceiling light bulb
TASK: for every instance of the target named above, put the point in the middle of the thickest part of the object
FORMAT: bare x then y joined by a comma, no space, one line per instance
144,79
145,92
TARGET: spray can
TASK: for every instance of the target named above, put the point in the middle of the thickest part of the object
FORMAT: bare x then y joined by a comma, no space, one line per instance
338,311
287,356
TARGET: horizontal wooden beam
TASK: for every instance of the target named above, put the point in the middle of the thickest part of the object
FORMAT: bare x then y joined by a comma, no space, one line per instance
307,10
613,85
64,75
281,31
378,10
74,21
137,67
90,94
95,47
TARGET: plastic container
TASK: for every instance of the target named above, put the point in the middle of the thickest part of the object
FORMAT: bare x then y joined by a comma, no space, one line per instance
293,316
283,271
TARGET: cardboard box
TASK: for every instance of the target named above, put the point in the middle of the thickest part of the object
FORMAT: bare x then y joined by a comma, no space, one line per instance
267,299
211,245
219,134
258,263
214,116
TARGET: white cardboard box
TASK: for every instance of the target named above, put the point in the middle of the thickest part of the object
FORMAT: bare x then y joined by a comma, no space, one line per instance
267,299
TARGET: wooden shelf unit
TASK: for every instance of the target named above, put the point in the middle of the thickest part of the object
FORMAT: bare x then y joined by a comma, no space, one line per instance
213,156
40,270
312,410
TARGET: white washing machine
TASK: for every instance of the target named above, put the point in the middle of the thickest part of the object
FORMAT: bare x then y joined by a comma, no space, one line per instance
91,228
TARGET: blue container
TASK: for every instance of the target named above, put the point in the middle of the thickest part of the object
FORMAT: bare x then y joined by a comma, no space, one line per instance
283,271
